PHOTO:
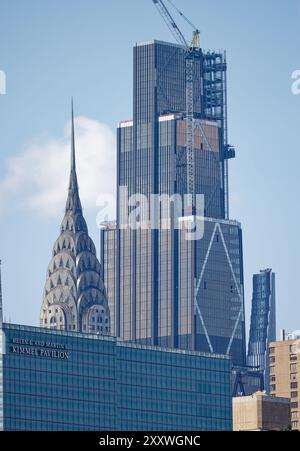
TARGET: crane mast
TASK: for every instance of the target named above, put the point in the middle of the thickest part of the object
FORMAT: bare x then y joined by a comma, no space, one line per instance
215,104
189,94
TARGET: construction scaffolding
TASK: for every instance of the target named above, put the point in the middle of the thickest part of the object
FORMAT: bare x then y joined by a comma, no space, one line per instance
215,105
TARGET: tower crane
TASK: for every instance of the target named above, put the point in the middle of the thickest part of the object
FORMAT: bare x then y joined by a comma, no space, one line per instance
190,53
216,103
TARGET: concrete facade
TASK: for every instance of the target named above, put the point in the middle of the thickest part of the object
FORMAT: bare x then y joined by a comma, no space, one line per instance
285,373
260,412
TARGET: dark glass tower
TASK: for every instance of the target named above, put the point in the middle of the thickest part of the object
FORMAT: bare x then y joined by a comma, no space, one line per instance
263,321
162,289
158,130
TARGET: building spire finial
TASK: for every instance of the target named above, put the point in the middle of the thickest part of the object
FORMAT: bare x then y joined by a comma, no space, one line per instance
73,201
73,161
74,294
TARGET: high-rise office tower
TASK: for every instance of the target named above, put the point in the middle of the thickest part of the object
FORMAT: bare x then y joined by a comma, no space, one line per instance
263,321
162,288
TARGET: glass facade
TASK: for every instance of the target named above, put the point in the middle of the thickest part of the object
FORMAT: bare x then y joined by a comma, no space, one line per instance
200,300
166,389
57,380
220,319
263,322
151,275
1,377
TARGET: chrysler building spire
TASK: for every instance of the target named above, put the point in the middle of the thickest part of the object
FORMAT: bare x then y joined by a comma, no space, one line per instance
73,201
74,294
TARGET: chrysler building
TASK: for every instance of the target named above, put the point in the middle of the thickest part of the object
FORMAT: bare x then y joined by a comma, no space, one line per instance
74,293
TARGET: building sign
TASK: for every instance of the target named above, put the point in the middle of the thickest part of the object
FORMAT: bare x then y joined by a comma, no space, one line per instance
38,348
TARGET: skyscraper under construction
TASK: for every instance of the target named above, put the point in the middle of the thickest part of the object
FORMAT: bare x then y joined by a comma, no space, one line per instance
163,289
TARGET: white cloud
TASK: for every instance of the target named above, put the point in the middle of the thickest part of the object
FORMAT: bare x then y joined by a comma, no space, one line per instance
37,179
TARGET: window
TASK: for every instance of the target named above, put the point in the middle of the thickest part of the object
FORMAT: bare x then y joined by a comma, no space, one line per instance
294,415
272,359
273,387
295,424
294,349
272,369
271,350
293,376
293,367
293,357
294,384
294,405
273,378
294,394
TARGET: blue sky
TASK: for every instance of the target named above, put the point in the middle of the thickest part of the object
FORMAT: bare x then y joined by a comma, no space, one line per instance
51,50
